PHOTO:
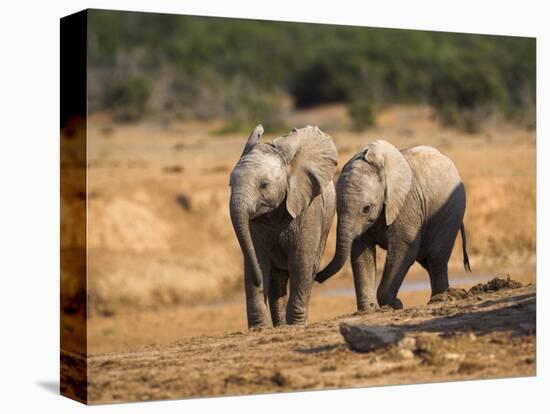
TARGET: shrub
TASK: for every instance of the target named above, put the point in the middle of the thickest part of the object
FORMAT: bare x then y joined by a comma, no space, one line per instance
128,99
466,93
363,113
226,68
254,108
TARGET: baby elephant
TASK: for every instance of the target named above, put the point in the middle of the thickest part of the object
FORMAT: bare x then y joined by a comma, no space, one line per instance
411,203
282,206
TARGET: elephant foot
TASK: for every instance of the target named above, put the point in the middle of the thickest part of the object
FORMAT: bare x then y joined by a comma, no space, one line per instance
296,321
279,323
300,324
256,326
395,304
369,307
259,328
388,299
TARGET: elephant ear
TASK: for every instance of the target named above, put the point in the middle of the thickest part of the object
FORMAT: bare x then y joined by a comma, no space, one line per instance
312,157
396,173
254,137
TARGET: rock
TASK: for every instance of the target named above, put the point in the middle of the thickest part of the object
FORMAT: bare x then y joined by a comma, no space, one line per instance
364,338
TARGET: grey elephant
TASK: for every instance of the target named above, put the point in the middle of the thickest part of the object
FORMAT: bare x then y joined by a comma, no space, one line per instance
282,206
411,203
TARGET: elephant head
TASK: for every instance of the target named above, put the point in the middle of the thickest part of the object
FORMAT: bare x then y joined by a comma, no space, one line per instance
293,170
375,181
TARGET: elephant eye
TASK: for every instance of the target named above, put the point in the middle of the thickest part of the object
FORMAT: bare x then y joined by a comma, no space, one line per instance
264,184
366,209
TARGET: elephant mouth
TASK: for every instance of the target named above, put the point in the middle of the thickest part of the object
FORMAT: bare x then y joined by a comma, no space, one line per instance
263,209
268,213
368,224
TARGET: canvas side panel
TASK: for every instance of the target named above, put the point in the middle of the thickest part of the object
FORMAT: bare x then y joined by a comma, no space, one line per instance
73,46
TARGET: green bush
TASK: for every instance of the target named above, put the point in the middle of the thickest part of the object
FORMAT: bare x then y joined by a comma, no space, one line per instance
255,108
203,67
328,77
465,93
128,99
362,113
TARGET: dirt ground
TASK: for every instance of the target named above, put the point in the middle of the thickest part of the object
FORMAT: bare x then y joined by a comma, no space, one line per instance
164,325
487,334
165,269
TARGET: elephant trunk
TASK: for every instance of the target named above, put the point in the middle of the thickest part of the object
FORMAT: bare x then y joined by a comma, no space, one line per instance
240,218
344,240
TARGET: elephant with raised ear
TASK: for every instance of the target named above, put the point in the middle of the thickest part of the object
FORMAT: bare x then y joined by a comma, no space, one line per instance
411,203
282,206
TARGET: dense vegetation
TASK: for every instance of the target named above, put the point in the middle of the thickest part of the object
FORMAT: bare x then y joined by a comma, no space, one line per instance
143,64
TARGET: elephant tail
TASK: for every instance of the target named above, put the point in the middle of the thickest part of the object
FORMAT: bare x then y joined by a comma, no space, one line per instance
464,250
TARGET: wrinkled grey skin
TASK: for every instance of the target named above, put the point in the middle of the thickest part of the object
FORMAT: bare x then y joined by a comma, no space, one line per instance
411,203
282,206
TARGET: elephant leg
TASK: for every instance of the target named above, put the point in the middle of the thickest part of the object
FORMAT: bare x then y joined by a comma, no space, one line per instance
400,257
439,277
301,281
363,262
256,309
437,259
437,264
277,296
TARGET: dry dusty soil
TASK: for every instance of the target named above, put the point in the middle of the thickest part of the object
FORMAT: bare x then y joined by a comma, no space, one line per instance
488,332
